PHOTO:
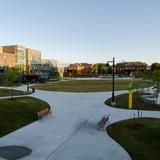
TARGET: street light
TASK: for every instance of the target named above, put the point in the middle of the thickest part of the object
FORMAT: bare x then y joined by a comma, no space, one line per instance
113,61
27,76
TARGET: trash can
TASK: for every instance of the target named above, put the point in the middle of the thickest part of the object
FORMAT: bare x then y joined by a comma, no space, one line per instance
33,89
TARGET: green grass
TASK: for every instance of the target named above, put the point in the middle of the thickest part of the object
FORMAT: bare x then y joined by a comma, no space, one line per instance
140,137
7,92
87,85
19,112
122,102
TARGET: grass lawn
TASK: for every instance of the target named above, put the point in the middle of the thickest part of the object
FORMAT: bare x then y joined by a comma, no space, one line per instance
87,85
19,112
7,92
140,137
122,102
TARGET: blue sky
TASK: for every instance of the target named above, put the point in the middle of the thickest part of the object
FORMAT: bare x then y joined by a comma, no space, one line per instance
84,30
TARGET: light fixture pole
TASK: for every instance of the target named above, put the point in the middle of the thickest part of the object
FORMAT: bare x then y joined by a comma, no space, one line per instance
27,75
113,101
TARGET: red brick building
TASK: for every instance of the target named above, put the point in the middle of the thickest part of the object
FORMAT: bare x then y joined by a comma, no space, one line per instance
78,69
7,59
126,68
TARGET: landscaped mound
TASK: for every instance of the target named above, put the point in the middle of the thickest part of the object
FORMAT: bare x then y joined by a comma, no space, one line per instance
7,92
140,137
18,112
88,85
122,102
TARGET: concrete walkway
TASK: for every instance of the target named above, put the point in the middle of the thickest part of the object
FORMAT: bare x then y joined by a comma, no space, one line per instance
71,133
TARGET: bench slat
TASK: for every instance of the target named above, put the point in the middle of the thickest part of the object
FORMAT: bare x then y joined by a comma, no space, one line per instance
43,113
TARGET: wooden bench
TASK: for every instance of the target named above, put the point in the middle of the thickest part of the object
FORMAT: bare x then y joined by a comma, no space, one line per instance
103,121
43,113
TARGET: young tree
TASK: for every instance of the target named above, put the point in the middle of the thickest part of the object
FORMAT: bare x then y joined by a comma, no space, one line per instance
110,70
11,75
103,69
156,82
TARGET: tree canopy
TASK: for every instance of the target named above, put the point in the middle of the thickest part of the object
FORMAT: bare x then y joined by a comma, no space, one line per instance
11,75
103,68
155,66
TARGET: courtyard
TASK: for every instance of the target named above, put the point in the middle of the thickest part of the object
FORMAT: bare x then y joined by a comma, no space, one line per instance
71,131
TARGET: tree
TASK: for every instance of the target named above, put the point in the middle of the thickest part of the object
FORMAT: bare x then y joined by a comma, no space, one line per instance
107,65
11,75
156,82
155,66
156,75
110,70
103,68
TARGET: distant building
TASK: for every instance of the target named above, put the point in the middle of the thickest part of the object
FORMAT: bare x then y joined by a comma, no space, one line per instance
62,69
148,68
75,68
7,59
24,57
47,69
126,68
87,68
61,72
33,56
28,61
52,62
78,69
20,55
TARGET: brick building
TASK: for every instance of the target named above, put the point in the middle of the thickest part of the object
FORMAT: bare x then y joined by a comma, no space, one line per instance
7,59
23,57
78,69
126,68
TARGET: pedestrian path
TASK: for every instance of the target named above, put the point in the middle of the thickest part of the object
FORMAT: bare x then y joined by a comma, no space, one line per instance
71,132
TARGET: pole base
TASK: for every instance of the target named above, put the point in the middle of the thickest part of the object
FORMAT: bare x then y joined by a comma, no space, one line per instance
113,103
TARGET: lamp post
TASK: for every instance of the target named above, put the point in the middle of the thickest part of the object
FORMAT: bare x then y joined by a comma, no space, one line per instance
113,101
27,75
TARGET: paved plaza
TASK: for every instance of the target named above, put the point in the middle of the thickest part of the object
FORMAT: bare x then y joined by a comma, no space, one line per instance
71,132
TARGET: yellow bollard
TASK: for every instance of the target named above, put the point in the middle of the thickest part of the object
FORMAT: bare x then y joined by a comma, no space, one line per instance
130,96
130,99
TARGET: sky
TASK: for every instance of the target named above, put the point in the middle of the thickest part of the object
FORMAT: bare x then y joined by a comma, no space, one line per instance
90,31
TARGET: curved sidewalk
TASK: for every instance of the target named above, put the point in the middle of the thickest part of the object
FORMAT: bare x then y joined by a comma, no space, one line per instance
71,133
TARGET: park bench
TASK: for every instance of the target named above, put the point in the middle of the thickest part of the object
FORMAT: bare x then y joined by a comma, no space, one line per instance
43,113
103,121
